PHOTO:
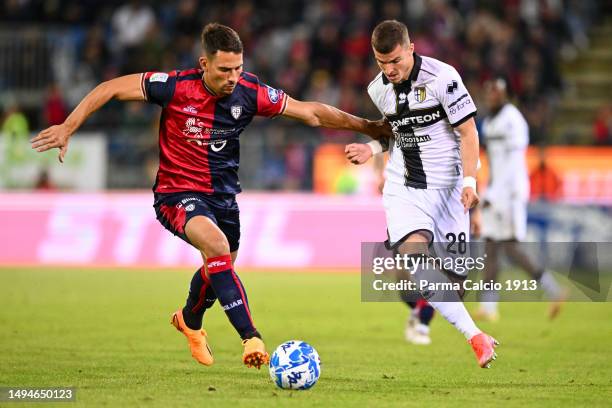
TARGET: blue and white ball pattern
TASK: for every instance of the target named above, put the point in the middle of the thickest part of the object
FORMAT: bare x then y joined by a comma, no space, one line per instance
295,365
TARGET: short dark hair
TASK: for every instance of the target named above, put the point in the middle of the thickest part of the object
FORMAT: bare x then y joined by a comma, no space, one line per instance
218,37
502,81
388,34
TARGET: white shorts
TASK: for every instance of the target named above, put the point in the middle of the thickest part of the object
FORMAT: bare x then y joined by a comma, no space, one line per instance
502,222
437,210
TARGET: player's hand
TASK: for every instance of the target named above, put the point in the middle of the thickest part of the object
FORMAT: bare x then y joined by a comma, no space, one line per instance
381,129
358,153
469,198
475,222
54,136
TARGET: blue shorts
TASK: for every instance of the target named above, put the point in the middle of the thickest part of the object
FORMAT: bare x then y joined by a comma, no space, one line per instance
173,210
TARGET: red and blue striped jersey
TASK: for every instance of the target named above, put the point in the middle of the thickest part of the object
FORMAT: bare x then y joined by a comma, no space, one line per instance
199,132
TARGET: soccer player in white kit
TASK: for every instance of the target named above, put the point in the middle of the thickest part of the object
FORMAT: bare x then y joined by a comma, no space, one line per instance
430,176
503,219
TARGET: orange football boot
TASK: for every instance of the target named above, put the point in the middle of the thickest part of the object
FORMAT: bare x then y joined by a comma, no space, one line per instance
255,354
198,343
555,306
484,348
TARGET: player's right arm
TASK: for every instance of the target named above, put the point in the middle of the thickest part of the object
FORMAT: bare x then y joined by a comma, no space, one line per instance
359,153
125,88
318,114
272,102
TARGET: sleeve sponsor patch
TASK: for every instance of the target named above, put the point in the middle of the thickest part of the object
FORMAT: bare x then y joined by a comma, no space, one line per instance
273,94
452,87
270,101
159,77
158,87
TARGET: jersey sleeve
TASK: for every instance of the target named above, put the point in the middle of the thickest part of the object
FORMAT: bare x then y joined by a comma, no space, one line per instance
158,87
517,132
506,183
455,98
270,101
375,99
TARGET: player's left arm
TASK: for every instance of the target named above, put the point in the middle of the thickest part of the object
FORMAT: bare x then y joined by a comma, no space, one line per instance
469,157
476,213
318,114
460,110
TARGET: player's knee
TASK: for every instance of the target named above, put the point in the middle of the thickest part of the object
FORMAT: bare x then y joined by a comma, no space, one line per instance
415,243
216,246
207,237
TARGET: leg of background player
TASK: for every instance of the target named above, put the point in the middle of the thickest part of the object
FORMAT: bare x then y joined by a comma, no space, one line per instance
426,312
408,298
489,298
547,282
417,325
421,313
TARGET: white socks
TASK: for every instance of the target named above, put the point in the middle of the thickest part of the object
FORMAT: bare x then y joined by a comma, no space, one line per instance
457,315
488,301
422,329
447,302
549,285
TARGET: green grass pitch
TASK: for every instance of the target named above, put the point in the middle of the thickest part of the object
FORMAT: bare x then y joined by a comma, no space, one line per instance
107,333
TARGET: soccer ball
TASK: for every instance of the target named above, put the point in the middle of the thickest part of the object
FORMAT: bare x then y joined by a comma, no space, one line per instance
295,365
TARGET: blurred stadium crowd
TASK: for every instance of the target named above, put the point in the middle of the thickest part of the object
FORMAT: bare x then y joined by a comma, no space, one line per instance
53,52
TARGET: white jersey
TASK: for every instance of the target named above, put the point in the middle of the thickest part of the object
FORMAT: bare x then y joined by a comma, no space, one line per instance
422,111
506,135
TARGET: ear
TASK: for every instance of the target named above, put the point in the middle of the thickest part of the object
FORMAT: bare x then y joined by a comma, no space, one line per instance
203,62
411,47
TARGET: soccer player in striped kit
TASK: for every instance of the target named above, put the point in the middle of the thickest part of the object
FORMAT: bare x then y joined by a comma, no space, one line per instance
204,111
430,176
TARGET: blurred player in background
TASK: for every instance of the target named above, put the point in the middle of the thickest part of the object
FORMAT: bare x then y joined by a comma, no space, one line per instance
430,176
204,112
503,220
417,324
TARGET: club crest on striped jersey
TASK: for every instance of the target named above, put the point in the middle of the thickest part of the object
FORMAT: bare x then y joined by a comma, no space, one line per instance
236,111
420,94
